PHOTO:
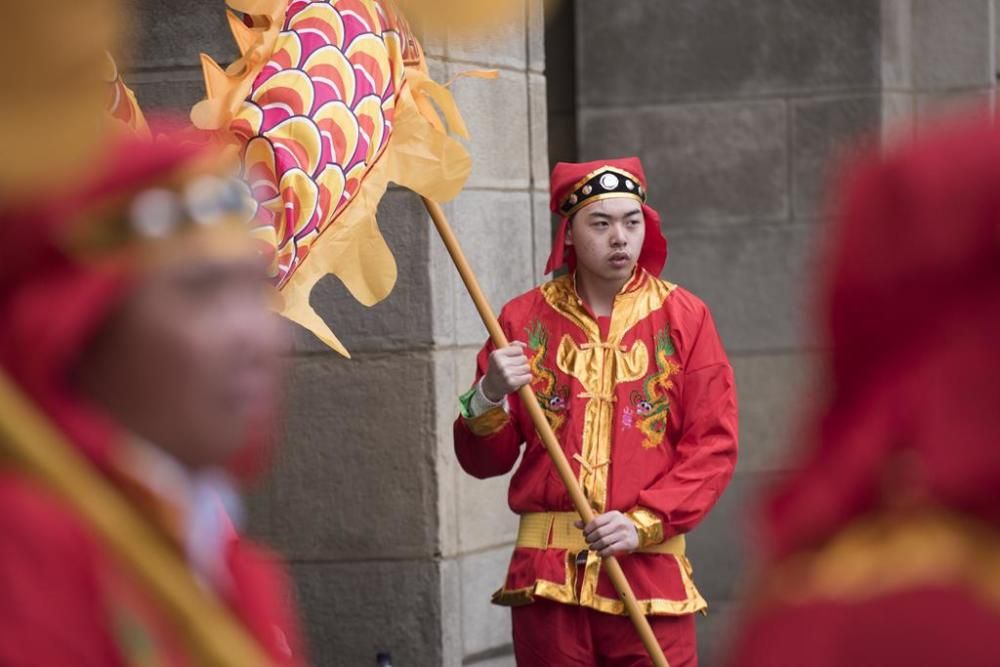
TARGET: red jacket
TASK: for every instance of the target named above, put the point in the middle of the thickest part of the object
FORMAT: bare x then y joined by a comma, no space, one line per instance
644,405
68,601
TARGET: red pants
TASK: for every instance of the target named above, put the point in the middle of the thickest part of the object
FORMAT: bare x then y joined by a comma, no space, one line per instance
550,634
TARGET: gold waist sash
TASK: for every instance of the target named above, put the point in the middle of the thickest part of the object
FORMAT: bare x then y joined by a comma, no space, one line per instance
555,530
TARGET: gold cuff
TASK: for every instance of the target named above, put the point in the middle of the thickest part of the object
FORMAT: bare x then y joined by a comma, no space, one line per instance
648,525
489,423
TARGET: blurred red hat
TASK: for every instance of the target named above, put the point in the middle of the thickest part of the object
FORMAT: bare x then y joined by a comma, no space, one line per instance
912,301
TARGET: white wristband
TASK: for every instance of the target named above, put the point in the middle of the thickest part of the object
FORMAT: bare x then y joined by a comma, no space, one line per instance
480,404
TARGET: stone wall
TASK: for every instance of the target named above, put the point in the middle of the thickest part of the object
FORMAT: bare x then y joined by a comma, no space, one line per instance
393,548
739,110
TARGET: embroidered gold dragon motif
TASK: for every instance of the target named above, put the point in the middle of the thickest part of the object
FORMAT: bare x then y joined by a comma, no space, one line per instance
553,397
652,404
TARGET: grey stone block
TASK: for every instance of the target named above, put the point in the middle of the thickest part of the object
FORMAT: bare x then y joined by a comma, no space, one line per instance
539,142
897,44
355,476
952,44
496,113
354,610
403,319
773,391
485,520
502,44
562,133
898,116
485,625
452,620
705,162
715,633
824,133
445,284
174,92
172,33
653,52
718,547
936,107
755,279
543,230
560,57
536,35
506,660
448,385
996,36
473,513
496,232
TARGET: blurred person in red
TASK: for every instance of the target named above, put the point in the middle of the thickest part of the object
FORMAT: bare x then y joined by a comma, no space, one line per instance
133,316
632,376
883,548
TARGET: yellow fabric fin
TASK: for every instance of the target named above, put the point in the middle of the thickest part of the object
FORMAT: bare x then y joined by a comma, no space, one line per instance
244,35
303,314
365,263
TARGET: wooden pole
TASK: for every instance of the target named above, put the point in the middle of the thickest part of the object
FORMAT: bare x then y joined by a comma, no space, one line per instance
552,446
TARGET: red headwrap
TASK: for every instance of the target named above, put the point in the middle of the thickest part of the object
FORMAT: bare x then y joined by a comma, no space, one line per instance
913,314
52,303
568,180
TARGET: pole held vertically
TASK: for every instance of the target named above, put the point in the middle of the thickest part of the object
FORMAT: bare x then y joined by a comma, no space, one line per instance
552,446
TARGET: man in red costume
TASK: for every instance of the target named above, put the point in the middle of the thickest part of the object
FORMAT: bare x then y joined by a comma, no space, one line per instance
631,374
133,318
884,548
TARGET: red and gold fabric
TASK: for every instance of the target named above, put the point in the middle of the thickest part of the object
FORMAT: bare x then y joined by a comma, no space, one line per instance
882,547
547,633
71,596
644,405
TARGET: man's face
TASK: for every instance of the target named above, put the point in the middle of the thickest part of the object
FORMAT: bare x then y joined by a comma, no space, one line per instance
191,361
607,237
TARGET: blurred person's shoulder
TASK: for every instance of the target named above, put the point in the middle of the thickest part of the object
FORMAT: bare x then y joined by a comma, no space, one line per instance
36,520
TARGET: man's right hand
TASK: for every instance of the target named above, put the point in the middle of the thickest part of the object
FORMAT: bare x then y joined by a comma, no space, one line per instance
508,372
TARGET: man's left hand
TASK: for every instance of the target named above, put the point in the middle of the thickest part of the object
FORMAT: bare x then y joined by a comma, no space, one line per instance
610,533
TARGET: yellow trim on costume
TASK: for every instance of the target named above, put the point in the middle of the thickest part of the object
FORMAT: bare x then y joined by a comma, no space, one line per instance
556,530
600,366
489,423
566,594
648,525
586,200
601,197
209,629
890,552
